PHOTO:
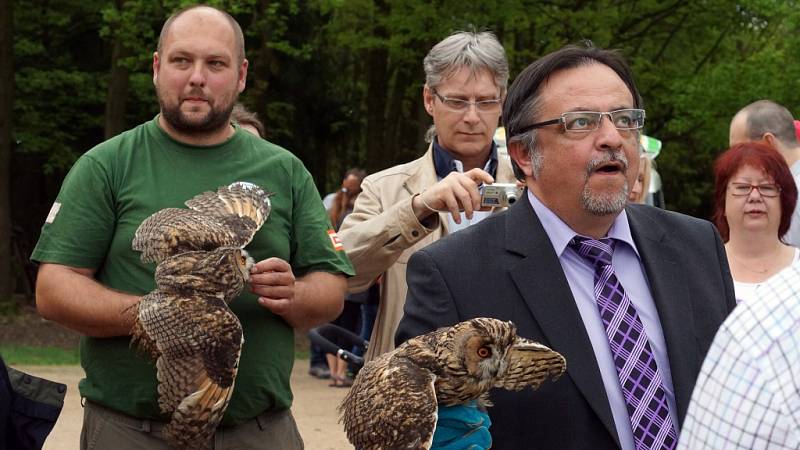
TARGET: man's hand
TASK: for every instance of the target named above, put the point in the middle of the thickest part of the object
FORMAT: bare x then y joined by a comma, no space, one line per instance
454,193
305,302
273,281
462,427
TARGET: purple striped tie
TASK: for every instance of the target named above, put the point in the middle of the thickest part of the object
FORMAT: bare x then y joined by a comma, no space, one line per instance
636,367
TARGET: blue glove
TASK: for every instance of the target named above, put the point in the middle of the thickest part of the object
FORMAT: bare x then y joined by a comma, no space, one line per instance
462,427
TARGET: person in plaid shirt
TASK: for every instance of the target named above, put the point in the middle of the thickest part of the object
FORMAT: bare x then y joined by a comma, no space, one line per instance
748,395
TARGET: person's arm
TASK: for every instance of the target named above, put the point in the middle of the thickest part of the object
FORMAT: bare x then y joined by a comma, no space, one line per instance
72,297
375,235
429,303
337,208
305,302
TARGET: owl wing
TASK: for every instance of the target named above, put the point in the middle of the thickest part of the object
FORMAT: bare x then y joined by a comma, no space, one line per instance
242,207
392,404
173,231
199,340
529,364
139,337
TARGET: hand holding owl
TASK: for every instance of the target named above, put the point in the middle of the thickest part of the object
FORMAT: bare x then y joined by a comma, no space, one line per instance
273,281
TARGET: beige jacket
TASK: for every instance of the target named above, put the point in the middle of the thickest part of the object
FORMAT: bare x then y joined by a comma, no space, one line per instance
382,232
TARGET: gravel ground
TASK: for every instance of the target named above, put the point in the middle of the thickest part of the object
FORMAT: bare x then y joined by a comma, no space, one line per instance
314,408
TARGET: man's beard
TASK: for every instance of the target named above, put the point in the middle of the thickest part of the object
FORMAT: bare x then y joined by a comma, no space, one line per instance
215,119
592,203
606,204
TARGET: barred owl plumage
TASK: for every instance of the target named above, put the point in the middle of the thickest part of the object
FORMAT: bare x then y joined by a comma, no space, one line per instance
394,399
185,324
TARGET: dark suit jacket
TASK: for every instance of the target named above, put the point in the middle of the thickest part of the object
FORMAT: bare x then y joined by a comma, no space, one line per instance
505,267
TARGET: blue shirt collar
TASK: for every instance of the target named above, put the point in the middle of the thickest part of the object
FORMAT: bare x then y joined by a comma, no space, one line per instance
444,162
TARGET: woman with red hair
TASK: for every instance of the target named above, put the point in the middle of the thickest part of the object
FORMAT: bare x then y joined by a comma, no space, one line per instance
754,198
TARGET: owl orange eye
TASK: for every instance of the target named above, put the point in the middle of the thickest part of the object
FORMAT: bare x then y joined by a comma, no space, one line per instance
484,352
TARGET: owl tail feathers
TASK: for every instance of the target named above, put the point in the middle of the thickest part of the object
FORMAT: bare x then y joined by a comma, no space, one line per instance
195,420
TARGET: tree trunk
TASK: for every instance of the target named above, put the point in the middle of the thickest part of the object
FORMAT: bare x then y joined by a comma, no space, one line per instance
377,61
118,84
6,110
377,86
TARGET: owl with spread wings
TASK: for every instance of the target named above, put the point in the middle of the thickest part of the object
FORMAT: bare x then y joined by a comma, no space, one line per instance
185,324
394,400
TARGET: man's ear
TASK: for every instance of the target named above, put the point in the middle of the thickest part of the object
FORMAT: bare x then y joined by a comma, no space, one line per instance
156,65
519,153
243,75
771,140
428,99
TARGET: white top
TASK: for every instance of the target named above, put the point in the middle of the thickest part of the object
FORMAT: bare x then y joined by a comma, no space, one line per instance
747,394
747,291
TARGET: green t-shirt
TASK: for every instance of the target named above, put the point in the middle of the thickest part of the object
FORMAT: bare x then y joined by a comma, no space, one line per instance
113,187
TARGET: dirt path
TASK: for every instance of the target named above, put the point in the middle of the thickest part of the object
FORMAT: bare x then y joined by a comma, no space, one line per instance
314,408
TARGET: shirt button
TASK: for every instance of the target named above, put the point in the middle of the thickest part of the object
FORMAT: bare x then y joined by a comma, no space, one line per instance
414,233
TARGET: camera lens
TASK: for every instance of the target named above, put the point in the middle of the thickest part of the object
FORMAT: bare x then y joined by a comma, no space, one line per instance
511,198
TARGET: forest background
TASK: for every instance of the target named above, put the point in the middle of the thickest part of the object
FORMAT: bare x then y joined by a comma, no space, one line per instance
339,82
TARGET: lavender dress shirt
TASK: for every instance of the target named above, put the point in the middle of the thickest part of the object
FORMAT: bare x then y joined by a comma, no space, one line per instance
629,270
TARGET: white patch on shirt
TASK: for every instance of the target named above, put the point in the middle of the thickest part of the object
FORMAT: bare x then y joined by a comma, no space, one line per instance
51,216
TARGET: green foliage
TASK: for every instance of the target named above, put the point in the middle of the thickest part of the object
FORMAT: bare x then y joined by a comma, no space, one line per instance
29,355
50,115
339,82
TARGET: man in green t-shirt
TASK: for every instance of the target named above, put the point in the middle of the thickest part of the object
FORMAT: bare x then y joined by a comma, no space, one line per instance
90,275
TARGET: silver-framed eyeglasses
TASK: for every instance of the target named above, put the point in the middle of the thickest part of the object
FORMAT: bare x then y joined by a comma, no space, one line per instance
744,189
588,121
461,105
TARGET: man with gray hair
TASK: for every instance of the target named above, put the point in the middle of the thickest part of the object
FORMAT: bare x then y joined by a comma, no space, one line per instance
630,295
772,124
406,207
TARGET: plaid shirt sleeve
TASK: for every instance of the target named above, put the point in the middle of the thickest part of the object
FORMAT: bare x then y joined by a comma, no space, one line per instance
748,393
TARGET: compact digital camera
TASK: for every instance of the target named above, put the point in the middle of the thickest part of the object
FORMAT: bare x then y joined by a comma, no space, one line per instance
499,195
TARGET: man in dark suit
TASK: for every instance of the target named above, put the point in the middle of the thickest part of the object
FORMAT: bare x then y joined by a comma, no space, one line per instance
630,295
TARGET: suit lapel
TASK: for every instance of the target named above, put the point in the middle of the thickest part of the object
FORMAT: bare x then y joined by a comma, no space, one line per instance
667,277
544,288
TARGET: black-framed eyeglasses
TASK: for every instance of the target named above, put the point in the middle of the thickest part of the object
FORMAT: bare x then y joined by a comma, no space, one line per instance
587,121
744,189
461,105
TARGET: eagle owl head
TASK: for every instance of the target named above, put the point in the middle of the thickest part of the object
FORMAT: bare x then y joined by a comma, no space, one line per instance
243,262
476,354
482,346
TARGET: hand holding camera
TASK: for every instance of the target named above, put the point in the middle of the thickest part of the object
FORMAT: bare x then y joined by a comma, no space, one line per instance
455,193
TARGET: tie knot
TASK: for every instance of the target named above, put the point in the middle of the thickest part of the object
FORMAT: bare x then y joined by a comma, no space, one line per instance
599,252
